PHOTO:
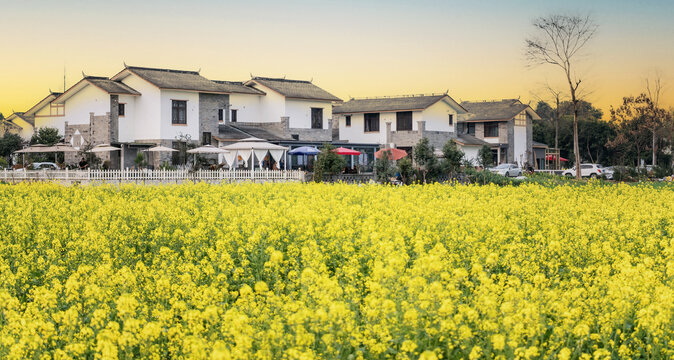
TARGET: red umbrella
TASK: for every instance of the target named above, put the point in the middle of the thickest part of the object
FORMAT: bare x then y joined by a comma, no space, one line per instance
393,154
345,151
552,157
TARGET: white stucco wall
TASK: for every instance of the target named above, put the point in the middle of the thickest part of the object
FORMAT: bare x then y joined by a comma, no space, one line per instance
299,112
145,113
520,145
170,131
45,118
127,122
437,117
356,132
470,153
273,105
248,107
88,100
26,131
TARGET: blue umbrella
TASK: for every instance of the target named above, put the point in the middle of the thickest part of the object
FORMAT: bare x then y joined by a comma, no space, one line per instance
304,150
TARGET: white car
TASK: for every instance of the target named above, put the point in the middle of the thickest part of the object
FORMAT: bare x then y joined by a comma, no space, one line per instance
45,166
507,170
586,170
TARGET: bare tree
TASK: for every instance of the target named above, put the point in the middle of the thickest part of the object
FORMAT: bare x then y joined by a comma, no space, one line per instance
656,114
558,41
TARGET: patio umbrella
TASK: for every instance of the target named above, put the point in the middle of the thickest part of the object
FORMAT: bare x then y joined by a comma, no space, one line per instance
160,148
104,148
207,149
37,148
393,154
304,150
345,151
552,157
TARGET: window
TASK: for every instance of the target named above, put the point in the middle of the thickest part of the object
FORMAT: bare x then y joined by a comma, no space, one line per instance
470,129
371,122
179,112
234,115
451,119
57,109
348,120
121,109
206,138
491,129
403,120
221,115
521,119
316,118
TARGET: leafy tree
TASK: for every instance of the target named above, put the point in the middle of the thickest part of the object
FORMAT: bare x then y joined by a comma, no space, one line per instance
9,143
46,136
424,158
452,156
485,156
630,121
384,168
328,162
2,117
406,170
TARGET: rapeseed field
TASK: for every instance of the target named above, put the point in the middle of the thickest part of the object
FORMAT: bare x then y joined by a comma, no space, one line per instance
312,271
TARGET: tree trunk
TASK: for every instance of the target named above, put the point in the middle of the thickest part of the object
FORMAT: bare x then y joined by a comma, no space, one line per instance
655,149
576,148
557,124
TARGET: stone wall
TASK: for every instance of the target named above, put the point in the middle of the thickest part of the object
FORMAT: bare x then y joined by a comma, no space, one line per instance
96,132
114,118
209,104
411,137
508,128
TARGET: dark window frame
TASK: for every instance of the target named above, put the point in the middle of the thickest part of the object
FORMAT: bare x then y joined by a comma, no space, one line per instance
221,115
121,109
178,108
451,119
371,122
234,115
348,120
493,129
404,120
470,129
206,138
316,121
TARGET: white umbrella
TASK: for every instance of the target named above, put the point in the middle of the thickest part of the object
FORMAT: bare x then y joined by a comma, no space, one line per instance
208,149
104,148
160,148
37,148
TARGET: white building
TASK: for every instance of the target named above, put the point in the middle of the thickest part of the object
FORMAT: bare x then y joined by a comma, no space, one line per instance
399,121
506,125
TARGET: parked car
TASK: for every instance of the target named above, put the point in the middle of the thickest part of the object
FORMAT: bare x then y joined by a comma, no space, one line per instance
586,170
45,166
608,172
507,170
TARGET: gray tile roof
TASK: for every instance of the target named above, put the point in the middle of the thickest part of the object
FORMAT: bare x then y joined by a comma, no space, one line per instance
111,86
493,110
238,132
404,103
177,79
539,144
28,119
298,89
238,87
466,139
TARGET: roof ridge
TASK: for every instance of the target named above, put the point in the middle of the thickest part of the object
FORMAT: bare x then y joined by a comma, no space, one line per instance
92,77
281,79
228,82
165,70
491,101
399,96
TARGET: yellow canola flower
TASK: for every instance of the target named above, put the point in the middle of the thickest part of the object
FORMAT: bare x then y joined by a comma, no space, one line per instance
312,271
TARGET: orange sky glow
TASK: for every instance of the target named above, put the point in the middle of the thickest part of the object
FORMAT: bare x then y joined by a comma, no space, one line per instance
350,48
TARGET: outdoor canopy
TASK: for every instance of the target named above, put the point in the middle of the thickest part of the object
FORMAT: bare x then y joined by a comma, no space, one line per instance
251,148
304,150
160,148
41,148
345,151
207,149
393,154
104,148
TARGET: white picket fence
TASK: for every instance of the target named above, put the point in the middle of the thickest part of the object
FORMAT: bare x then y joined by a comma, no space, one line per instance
152,176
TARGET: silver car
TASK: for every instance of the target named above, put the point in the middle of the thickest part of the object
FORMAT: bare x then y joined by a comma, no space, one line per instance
507,170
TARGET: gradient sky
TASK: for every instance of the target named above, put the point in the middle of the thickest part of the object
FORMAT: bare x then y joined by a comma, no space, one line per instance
352,48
